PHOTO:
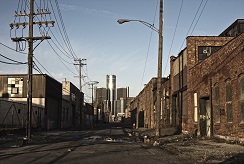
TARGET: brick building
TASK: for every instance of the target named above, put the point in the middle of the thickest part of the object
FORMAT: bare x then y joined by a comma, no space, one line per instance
142,108
204,94
217,83
198,49
206,84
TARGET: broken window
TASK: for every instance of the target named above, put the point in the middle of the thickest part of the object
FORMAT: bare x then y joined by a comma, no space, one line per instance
205,51
216,103
241,81
229,101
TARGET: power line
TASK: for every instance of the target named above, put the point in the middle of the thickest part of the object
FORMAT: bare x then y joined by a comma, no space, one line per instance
192,23
11,63
63,26
61,58
43,66
58,54
64,36
57,46
173,36
149,45
12,48
67,54
13,60
199,16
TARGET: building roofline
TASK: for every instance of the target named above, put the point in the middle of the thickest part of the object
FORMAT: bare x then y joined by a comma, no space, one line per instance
231,26
45,75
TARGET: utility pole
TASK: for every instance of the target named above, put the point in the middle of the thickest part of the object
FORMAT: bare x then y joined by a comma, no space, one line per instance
159,79
30,67
30,40
80,64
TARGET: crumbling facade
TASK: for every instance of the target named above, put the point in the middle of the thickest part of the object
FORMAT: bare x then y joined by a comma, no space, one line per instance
204,94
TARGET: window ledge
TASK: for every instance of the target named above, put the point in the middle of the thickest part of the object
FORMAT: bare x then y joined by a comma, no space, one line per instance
241,124
229,124
217,124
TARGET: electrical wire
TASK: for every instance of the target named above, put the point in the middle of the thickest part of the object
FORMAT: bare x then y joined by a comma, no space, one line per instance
12,60
63,26
11,63
191,24
58,54
173,36
149,45
12,48
199,16
60,58
66,53
43,67
64,36
62,47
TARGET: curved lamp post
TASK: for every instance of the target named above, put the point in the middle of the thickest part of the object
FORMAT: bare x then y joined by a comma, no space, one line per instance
160,47
121,21
92,83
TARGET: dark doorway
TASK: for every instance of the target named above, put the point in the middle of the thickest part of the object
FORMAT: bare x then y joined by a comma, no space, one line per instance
174,110
205,119
141,119
73,116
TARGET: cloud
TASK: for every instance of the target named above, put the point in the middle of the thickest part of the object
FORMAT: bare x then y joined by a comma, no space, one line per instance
86,10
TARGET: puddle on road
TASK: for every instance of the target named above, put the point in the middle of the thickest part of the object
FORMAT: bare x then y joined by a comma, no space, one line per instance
106,139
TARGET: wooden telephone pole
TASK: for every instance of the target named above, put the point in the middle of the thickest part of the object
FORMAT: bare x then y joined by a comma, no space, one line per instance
159,78
80,64
30,40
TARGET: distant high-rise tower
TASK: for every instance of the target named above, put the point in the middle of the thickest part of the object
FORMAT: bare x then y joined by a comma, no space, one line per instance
122,93
111,88
120,103
101,102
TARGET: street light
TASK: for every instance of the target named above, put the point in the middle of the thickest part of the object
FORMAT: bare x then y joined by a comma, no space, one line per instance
92,83
121,21
160,57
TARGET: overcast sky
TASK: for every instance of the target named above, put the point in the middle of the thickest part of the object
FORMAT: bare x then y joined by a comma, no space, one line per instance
128,51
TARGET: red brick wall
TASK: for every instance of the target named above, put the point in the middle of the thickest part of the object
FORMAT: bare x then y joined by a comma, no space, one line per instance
227,63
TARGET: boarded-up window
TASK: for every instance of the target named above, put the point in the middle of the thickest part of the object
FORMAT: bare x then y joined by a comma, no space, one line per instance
176,82
195,108
174,108
242,98
216,103
228,101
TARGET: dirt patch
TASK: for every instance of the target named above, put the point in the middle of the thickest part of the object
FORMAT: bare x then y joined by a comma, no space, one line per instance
204,151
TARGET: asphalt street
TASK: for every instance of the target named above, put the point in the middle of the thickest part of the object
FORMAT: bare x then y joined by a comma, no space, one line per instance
113,144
